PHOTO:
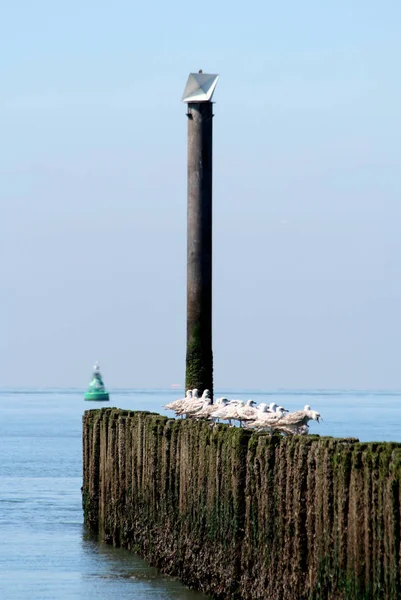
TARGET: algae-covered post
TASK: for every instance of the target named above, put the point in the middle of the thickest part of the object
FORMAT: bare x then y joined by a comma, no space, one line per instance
246,516
199,358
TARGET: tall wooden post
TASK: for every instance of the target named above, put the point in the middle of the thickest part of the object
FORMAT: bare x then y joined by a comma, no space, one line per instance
199,357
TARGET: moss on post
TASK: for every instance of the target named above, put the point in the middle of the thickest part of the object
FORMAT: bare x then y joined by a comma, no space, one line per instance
199,364
245,516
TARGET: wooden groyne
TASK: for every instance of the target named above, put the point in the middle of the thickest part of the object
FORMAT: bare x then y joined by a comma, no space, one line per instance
246,516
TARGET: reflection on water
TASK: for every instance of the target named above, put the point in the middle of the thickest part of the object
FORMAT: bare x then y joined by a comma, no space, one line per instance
116,565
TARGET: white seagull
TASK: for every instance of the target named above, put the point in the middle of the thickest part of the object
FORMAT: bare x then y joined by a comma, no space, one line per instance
267,420
228,411
207,410
195,410
248,412
299,419
193,404
177,403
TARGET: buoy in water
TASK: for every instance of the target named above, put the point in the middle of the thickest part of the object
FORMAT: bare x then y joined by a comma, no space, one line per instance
96,390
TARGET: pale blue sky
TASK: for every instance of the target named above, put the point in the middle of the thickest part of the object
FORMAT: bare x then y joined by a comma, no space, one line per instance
307,212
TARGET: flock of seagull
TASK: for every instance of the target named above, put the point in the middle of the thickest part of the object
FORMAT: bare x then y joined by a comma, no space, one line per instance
262,418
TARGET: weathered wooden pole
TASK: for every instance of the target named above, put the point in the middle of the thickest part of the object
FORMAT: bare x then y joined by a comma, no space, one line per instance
199,357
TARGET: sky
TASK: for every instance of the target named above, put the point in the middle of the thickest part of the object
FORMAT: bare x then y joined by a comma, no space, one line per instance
306,198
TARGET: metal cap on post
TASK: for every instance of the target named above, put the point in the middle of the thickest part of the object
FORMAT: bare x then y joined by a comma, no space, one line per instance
199,357
200,87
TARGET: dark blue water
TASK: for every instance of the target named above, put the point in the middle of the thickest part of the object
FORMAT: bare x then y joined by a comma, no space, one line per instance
44,551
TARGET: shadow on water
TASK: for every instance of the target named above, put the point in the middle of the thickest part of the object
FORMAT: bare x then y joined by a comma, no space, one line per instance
120,565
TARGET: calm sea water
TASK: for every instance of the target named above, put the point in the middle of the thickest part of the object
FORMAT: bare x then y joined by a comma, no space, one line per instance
44,551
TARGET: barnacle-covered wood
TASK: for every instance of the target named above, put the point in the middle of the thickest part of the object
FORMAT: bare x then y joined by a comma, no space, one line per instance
246,516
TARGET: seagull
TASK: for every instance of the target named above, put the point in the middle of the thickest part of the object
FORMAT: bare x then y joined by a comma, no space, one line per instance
177,403
267,420
195,409
299,418
229,411
220,409
248,412
207,410
234,411
193,404
274,407
190,404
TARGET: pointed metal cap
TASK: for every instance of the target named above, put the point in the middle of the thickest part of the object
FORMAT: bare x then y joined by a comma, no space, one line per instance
200,87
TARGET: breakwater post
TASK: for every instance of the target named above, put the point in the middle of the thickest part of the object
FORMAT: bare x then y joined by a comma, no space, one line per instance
199,357
244,516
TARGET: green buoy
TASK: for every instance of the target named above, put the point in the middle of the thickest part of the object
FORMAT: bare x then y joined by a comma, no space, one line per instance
96,390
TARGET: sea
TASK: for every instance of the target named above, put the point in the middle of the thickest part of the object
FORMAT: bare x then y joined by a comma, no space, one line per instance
45,552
